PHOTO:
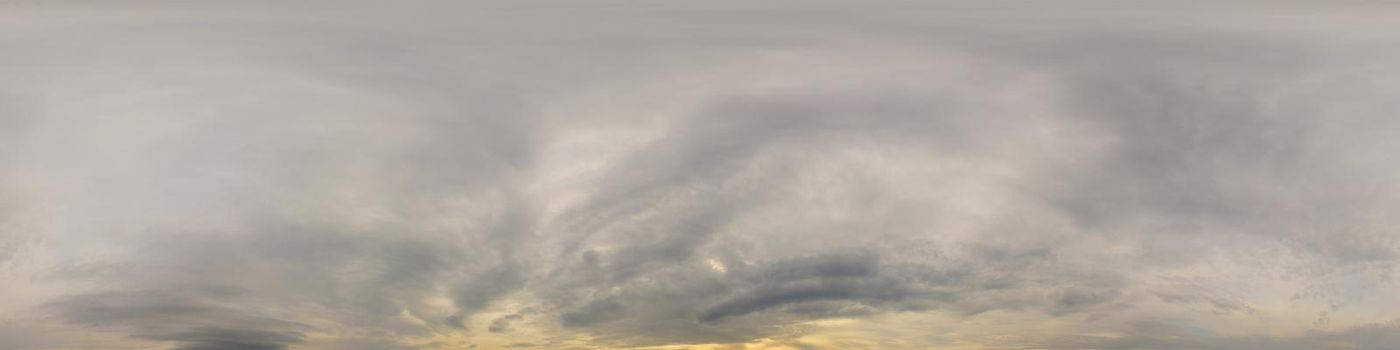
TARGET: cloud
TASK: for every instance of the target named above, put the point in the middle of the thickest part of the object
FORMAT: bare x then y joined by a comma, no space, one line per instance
194,324
1155,335
815,175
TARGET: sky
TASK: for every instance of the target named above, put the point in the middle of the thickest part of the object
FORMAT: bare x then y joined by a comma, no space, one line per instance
607,174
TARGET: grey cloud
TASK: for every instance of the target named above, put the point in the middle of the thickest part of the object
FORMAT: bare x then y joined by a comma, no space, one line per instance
482,289
847,265
1205,144
194,324
223,339
1222,304
834,277
1159,335
359,175
502,324
769,298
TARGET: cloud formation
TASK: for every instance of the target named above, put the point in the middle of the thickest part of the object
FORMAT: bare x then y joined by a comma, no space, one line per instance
785,175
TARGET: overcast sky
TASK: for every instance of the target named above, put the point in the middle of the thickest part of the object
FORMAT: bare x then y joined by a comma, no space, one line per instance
383,175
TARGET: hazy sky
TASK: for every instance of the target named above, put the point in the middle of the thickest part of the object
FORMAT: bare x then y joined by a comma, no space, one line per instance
212,175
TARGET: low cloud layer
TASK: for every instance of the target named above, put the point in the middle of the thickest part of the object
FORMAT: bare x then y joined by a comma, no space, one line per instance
776,175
